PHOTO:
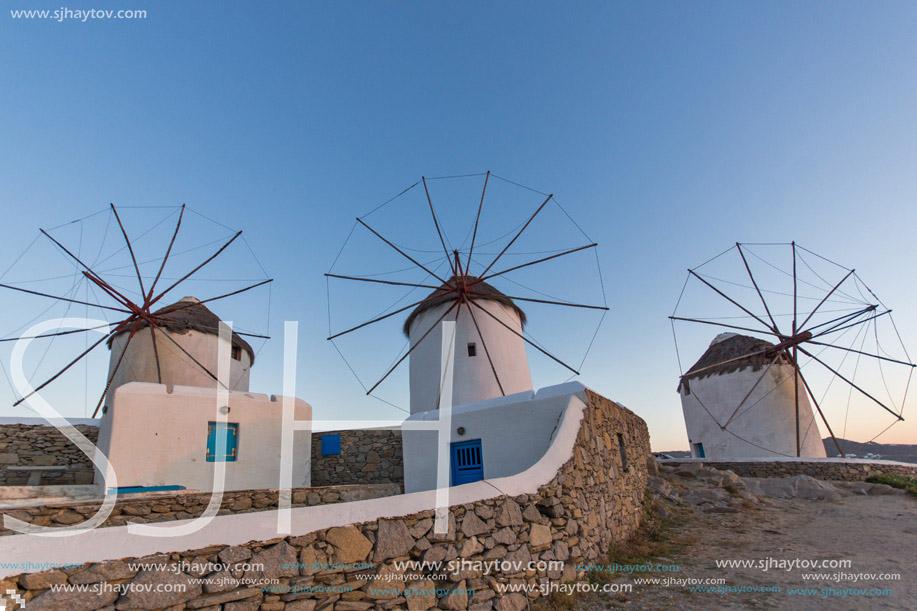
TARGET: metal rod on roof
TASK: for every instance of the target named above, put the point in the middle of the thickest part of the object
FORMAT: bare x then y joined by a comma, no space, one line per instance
730,299
411,349
130,248
111,377
525,339
818,407
505,248
401,252
390,314
852,324
72,256
436,223
182,306
189,274
392,282
42,335
760,294
560,254
836,286
156,354
875,356
476,219
95,305
560,303
61,372
795,353
843,318
113,293
721,324
829,368
166,257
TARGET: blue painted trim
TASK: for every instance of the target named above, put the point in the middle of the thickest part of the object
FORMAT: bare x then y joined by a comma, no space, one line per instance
331,444
222,441
132,489
467,462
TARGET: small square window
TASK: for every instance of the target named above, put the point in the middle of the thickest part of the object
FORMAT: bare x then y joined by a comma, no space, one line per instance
222,441
237,353
472,349
331,444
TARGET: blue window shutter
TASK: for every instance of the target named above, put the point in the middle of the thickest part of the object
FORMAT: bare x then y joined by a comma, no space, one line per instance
222,441
467,462
331,444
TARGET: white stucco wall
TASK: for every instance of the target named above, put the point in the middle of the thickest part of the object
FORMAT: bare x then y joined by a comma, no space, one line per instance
139,364
515,432
156,438
474,379
770,423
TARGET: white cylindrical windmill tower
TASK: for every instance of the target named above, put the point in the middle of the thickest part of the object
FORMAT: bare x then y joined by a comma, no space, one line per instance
185,352
487,364
741,406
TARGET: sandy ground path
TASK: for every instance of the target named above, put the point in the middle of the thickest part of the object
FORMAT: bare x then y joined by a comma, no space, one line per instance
877,534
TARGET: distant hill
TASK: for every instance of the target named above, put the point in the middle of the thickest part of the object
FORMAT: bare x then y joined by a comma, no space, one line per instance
854,449
884,451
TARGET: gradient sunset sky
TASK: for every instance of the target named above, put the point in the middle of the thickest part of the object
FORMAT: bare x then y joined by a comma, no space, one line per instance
669,131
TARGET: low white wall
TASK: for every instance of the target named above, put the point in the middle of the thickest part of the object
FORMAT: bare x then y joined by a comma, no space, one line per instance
515,432
156,438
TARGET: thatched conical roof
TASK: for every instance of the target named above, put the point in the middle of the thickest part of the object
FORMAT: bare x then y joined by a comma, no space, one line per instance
190,314
724,356
482,292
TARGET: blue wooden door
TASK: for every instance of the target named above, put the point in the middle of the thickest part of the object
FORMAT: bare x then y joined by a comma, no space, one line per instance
467,462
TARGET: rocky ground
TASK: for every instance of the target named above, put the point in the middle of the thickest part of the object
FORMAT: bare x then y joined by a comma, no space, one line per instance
713,515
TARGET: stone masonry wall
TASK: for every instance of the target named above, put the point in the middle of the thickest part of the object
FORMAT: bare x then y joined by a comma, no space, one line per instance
838,471
36,444
592,501
371,456
164,507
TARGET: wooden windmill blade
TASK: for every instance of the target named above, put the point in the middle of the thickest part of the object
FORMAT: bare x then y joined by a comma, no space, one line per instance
137,315
811,331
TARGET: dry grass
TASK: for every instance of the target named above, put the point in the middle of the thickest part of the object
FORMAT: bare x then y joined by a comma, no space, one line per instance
656,538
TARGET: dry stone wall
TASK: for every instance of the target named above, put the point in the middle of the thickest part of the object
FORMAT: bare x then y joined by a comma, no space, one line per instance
369,456
592,501
838,470
164,507
41,445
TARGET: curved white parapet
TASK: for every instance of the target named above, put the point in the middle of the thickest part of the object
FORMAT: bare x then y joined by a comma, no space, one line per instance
514,432
116,542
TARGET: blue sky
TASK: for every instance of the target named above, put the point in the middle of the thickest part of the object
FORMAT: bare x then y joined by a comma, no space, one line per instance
669,130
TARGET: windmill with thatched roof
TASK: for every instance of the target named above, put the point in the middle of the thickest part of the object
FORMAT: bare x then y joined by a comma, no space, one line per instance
188,359
484,326
747,384
489,354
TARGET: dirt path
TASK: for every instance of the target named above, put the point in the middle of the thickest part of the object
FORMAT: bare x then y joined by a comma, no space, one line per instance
876,534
